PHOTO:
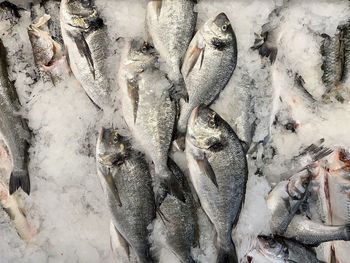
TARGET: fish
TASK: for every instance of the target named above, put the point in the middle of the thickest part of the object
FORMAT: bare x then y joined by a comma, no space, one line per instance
48,54
219,172
278,249
208,65
85,38
14,131
314,233
149,108
178,220
53,9
178,19
127,184
332,51
285,199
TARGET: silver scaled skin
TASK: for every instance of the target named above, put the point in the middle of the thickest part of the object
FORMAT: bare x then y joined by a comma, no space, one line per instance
127,184
13,129
85,35
178,220
148,106
208,65
219,172
178,19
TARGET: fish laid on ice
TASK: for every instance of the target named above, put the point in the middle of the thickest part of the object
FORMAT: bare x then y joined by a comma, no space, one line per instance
208,65
178,20
219,173
149,108
14,131
85,37
127,184
48,54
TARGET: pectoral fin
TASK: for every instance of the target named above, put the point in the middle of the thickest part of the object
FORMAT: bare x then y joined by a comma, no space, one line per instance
133,93
206,169
116,238
85,51
193,54
158,6
112,187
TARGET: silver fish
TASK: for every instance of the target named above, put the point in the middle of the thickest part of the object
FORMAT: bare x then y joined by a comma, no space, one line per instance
208,65
148,105
178,20
284,250
127,183
219,172
313,233
85,37
13,129
178,219
48,54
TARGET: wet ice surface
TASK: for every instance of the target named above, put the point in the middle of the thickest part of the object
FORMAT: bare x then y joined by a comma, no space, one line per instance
67,205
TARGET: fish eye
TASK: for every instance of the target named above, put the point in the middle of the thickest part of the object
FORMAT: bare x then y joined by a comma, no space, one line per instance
224,27
86,3
212,122
145,47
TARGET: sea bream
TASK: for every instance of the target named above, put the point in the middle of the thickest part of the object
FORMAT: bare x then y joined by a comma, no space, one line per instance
127,184
219,173
85,36
208,65
149,108
178,220
178,20
48,54
14,131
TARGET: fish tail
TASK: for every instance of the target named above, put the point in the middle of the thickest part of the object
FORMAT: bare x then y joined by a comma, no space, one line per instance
226,254
19,179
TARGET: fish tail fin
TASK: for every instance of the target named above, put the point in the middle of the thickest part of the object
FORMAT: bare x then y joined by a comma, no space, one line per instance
19,179
226,254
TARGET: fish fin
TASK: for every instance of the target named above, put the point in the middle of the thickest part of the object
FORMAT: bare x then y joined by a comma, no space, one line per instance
268,50
19,180
158,5
207,170
133,93
192,56
85,51
112,186
122,241
179,144
226,255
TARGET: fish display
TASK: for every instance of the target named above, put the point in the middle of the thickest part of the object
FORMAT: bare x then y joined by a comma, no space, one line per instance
127,184
161,17
219,173
14,131
85,36
208,65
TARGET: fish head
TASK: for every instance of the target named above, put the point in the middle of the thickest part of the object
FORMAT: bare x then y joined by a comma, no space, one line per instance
112,148
221,32
205,129
80,13
272,247
298,184
141,55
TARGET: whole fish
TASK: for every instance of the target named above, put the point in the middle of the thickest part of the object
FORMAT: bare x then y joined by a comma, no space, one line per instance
13,129
178,219
148,105
47,53
178,20
314,233
219,172
282,250
85,36
208,65
127,184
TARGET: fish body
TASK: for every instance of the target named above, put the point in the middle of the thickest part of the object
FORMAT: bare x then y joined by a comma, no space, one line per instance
53,9
13,129
178,221
346,43
276,250
85,37
178,20
208,65
219,172
48,54
148,106
127,183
